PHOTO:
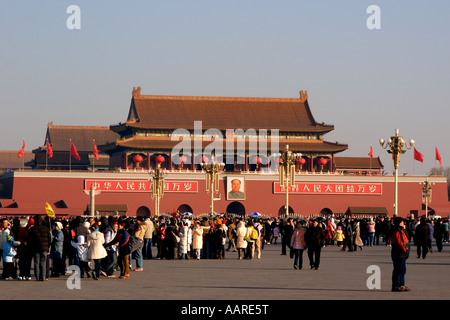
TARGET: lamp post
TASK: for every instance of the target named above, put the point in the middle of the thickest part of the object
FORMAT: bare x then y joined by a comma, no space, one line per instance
158,184
396,145
212,169
426,195
287,172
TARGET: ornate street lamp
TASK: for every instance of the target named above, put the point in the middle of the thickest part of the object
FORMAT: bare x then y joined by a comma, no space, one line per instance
396,146
158,183
212,169
287,172
426,195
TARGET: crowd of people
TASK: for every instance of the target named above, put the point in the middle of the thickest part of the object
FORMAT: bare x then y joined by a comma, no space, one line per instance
105,246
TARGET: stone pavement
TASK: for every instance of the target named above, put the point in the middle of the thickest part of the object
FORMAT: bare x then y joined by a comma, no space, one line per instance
341,276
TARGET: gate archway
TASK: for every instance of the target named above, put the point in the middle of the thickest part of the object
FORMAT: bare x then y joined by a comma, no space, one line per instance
236,208
143,211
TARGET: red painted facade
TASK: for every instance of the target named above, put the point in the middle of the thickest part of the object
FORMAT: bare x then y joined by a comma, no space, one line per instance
25,193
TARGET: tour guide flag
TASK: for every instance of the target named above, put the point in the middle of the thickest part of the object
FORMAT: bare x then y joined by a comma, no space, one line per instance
418,156
20,154
73,151
49,210
438,156
49,150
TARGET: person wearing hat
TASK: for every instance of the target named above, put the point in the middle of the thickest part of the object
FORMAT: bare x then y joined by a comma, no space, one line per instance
8,258
56,250
399,254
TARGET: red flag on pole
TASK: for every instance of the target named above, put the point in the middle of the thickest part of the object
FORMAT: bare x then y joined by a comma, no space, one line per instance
418,156
21,152
95,151
73,151
438,156
49,150
371,152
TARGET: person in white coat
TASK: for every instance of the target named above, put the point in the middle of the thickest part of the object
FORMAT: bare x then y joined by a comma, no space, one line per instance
197,240
96,250
241,244
185,240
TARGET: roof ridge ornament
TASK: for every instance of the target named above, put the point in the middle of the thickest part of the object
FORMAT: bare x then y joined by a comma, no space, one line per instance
136,91
303,96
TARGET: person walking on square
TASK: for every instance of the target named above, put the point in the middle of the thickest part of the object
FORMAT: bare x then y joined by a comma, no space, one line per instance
56,251
197,240
112,251
348,236
9,253
231,233
438,234
96,250
39,239
24,252
399,254
422,236
298,244
139,229
314,237
121,239
250,238
184,235
148,237
358,241
370,232
241,243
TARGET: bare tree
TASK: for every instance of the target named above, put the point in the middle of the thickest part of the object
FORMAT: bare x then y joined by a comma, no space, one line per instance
445,172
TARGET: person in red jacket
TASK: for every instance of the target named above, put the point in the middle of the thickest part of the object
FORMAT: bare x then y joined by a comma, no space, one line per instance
399,254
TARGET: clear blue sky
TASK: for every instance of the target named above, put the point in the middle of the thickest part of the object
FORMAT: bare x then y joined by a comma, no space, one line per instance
365,82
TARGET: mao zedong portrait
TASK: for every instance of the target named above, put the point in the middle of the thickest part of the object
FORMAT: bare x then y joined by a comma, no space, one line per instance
236,193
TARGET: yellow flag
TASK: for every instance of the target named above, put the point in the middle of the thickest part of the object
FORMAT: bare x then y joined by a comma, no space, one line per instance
49,210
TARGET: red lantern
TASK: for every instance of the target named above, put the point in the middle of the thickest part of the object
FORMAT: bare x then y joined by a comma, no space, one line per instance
322,161
258,160
183,159
301,161
137,158
205,159
159,159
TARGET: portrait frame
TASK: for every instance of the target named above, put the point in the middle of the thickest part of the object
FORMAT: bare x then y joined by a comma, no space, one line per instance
231,196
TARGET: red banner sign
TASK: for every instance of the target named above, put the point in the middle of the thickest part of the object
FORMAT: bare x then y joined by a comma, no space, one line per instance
331,188
140,185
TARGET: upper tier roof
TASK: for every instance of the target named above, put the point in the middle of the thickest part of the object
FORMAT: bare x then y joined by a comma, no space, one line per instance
174,112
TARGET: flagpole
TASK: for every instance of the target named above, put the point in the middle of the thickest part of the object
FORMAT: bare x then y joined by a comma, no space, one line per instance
93,159
23,158
46,154
70,156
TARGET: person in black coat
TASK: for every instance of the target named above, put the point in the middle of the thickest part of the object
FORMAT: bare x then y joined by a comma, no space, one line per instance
314,238
422,236
39,240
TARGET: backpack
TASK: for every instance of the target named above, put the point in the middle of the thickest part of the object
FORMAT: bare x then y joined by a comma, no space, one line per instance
132,244
254,234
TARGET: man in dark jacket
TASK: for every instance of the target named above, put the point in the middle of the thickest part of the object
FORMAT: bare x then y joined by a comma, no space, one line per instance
314,237
422,236
39,240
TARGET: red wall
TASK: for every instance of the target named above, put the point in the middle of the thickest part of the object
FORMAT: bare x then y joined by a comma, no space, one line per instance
32,189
